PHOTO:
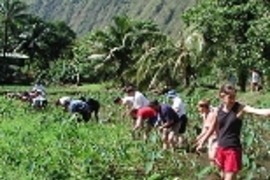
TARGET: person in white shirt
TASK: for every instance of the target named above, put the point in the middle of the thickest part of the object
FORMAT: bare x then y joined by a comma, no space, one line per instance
178,104
128,101
179,107
39,101
255,80
139,100
125,101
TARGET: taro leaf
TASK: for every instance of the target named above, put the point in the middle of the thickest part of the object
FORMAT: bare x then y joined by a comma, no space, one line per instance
249,176
204,171
246,160
149,166
250,139
155,176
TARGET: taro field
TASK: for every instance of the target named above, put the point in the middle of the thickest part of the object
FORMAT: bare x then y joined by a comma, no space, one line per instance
48,145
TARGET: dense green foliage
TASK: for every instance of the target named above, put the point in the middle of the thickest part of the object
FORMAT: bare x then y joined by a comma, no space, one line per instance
49,145
43,42
236,34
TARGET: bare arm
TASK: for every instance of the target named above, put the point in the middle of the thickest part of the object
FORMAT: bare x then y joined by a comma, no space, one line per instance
176,109
204,130
256,111
138,124
206,125
167,124
127,110
212,128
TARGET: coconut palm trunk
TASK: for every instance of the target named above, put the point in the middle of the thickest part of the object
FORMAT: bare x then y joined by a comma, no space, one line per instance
5,46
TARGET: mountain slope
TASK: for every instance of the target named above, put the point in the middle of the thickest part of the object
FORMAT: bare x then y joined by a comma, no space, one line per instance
84,15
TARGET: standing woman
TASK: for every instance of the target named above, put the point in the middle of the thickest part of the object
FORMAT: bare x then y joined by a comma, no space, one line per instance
207,113
228,120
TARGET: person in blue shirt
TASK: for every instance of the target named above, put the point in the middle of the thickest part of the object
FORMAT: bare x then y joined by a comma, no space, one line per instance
75,107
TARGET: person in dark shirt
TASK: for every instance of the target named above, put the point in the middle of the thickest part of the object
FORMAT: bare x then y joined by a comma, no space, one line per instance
94,106
170,123
227,120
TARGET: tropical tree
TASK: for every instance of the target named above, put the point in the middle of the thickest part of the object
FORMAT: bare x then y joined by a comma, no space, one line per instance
45,42
170,62
57,41
231,32
123,43
30,40
13,14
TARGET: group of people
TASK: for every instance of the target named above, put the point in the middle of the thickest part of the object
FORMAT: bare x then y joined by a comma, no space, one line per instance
170,120
221,125
80,108
222,128
36,96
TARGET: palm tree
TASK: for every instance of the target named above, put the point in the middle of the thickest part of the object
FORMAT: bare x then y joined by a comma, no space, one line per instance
30,38
168,62
122,42
12,14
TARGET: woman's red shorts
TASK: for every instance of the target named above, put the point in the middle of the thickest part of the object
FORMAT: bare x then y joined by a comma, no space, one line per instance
229,159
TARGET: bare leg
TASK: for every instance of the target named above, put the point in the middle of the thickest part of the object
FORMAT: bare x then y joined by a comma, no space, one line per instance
229,176
96,115
212,149
222,175
171,140
166,144
146,133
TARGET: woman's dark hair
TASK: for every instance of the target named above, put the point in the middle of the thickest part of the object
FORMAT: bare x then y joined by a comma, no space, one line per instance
130,89
82,98
227,89
153,103
116,100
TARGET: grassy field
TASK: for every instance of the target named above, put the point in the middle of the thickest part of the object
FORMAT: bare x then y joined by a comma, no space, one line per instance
48,145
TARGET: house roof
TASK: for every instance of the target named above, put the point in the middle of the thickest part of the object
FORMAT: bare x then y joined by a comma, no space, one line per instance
14,55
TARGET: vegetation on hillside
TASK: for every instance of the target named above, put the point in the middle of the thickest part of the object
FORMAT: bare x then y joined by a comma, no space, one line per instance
86,15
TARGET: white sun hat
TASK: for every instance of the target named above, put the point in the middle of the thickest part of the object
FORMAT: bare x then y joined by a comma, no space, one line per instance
64,100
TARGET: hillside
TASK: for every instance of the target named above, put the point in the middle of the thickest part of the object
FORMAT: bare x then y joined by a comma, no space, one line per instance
85,15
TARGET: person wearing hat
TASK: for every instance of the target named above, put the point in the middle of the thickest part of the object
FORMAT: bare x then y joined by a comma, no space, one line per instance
75,107
179,108
62,101
38,87
139,101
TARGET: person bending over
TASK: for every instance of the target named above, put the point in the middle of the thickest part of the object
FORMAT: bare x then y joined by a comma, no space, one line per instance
146,116
75,107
